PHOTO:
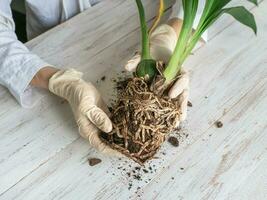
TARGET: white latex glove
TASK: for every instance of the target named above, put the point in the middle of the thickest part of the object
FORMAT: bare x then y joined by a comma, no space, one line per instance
89,109
162,44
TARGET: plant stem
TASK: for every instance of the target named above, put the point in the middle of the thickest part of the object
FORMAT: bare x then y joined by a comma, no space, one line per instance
190,47
173,68
175,64
144,30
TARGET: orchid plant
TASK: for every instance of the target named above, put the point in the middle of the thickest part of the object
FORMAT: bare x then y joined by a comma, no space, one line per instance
188,38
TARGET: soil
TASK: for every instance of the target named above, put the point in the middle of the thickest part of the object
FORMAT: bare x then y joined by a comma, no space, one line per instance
189,104
103,78
142,118
145,170
94,161
219,124
173,141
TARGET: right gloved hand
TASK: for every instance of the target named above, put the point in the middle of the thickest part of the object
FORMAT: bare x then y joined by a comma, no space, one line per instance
162,44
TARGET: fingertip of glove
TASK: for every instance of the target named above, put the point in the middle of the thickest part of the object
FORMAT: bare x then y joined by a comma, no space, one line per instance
171,94
103,148
179,87
100,119
108,127
129,67
132,64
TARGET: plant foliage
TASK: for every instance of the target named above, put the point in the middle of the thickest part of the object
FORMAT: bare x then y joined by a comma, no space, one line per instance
213,10
187,40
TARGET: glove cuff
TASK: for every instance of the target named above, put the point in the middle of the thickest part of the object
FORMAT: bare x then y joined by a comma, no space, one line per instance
62,81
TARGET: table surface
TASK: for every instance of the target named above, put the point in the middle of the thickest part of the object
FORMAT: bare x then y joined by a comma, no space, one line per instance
43,157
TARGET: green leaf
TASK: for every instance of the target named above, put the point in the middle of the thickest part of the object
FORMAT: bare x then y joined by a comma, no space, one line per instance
254,1
190,10
242,15
213,10
218,5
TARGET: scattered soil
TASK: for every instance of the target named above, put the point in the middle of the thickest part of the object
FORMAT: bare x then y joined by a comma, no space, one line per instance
173,141
137,177
130,186
219,124
94,161
189,104
103,78
145,170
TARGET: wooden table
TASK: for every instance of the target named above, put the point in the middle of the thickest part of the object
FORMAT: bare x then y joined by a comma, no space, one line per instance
43,157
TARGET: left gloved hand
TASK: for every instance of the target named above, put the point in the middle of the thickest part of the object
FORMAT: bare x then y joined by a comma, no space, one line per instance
90,111
162,44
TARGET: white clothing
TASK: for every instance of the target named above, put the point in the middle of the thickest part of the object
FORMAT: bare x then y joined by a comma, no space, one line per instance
17,64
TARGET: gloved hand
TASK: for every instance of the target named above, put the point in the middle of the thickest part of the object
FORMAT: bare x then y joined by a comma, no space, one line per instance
162,44
89,109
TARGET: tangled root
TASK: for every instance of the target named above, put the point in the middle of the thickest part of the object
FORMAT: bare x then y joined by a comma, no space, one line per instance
141,121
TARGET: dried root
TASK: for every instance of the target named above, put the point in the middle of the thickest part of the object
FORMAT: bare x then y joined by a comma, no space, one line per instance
141,120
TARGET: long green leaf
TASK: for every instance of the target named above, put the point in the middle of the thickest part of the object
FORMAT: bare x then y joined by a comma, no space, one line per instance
242,15
173,68
254,1
218,5
213,10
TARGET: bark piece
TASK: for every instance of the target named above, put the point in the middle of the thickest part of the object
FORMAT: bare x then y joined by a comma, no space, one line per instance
94,161
173,141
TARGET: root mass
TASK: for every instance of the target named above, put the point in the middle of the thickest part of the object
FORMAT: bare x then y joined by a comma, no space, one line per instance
142,119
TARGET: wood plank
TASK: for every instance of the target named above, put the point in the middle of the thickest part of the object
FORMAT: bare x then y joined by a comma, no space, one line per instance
254,187
220,160
67,175
226,20
34,136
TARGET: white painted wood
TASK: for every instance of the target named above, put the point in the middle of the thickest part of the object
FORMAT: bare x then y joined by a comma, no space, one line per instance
42,157
31,137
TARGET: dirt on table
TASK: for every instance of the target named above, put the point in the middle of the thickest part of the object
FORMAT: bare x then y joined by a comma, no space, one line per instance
219,124
103,78
94,161
173,141
189,104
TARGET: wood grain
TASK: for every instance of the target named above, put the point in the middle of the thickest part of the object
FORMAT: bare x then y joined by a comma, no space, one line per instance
42,156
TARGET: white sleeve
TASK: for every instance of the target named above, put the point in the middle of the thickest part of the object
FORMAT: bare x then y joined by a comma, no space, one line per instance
177,11
44,16
17,65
